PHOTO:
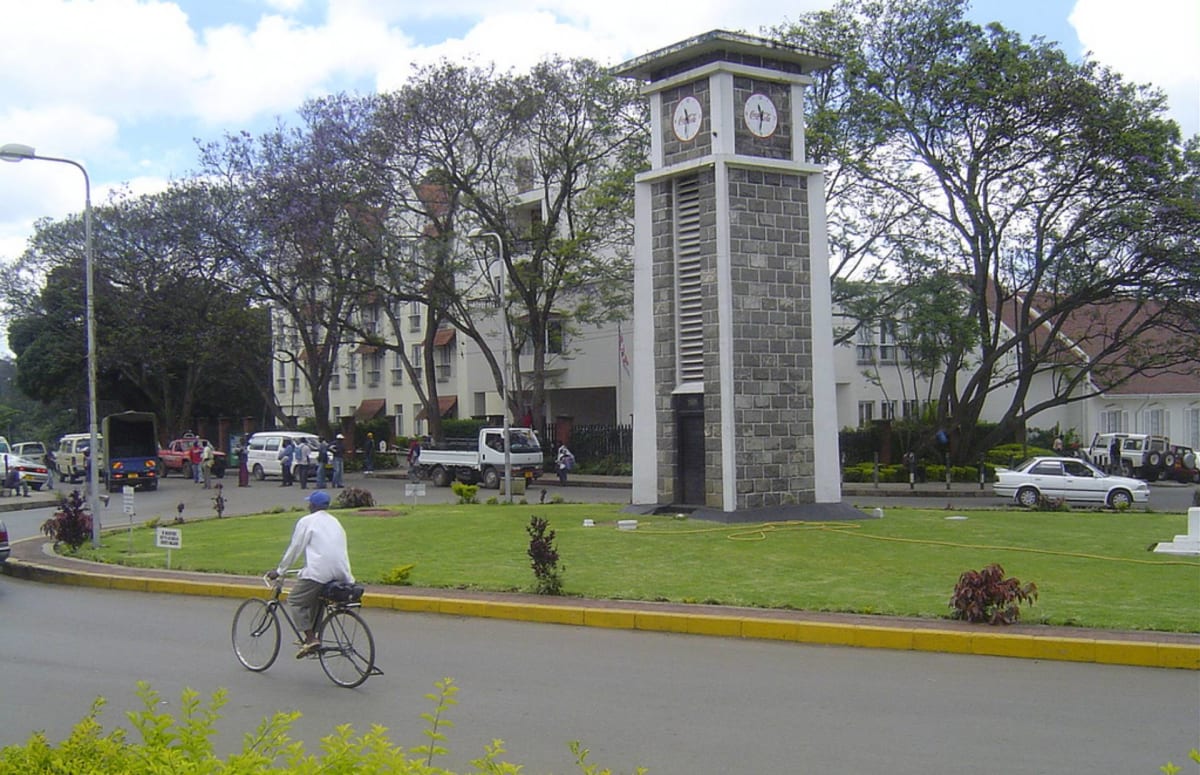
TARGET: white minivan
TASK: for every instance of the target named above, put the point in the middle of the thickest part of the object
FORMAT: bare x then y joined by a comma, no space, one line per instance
262,453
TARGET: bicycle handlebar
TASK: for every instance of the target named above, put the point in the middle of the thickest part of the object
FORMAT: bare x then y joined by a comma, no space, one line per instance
270,582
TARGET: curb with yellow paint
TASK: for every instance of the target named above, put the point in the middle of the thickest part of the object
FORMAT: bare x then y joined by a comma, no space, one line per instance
1140,653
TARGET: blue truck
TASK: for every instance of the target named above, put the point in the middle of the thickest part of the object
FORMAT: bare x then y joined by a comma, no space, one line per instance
131,442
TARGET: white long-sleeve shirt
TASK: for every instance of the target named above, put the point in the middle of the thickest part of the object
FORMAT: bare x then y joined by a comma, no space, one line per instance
321,537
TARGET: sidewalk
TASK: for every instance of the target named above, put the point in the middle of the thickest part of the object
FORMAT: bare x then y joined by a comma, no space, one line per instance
33,559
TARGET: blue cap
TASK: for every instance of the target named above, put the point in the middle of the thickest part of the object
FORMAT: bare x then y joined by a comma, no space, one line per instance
319,498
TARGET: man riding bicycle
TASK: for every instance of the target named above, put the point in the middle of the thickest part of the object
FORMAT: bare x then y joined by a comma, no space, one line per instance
321,537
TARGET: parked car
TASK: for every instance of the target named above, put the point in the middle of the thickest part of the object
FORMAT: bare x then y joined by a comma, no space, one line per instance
176,456
71,457
34,450
1142,455
31,472
262,453
1067,478
3,541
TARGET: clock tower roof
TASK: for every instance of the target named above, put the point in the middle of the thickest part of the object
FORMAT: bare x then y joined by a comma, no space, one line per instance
721,45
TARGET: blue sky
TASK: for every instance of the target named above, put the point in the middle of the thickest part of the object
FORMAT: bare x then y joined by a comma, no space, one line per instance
125,86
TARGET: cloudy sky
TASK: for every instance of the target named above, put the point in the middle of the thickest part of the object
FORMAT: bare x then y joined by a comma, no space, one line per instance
126,86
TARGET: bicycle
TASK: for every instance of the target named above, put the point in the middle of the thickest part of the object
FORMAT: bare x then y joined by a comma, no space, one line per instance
346,650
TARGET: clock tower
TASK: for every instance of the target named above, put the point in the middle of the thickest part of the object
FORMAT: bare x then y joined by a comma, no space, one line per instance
734,406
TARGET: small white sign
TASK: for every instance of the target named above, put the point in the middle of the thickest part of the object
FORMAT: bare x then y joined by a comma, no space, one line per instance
415,489
169,538
127,499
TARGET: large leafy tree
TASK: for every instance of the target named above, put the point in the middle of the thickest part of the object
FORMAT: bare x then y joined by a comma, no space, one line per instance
294,209
172,338
1051,190
464,148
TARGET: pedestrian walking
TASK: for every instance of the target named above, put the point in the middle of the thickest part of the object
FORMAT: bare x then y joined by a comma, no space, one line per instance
49,461
564,461
369,455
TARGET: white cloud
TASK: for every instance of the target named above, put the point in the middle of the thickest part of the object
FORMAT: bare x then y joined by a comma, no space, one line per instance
1155,41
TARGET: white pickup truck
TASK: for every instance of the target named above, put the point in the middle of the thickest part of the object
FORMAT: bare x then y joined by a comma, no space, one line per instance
482,459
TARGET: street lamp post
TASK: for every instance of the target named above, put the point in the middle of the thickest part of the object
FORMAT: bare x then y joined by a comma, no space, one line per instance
475,234
16,152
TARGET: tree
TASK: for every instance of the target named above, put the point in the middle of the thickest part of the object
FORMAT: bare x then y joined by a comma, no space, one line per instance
465,148
294,212
1050,190
165,321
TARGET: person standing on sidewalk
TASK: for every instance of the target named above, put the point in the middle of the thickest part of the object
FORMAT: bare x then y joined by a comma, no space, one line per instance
322,461
337,451
207,459
303,453
285,463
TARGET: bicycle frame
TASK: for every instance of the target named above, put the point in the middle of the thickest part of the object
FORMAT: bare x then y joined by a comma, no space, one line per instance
346,646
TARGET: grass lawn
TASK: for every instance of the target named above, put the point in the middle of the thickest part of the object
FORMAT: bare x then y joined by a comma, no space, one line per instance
1092,569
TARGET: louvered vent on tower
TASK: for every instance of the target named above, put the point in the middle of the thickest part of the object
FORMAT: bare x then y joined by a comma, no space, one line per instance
689,323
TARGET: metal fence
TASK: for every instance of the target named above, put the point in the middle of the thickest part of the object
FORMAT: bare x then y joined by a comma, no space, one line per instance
592,444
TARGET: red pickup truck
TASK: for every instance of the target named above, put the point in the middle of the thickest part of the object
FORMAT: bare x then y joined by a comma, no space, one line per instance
176,457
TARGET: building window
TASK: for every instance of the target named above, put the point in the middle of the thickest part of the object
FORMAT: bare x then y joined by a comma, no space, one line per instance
887,342
351,380
866,413
445,358
1191,428
865,351
374,366
479,399
1156,423
1112,421
417,360
912,409
887,410
398,413
335,381
418,423
337,412
414,316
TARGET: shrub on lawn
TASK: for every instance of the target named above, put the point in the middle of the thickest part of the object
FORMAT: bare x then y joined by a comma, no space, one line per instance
71,524
398,576
355,498
467,493
543,557
986,596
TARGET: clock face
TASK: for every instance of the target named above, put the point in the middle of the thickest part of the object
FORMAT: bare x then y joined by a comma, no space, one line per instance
761,116
686,122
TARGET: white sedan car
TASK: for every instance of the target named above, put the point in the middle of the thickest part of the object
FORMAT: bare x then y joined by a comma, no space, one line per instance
1067,478
29,472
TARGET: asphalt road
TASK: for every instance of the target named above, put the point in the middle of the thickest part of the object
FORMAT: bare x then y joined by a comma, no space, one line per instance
676,704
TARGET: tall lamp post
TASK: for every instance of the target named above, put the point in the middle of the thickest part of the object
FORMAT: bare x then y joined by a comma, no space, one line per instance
476,234
16,152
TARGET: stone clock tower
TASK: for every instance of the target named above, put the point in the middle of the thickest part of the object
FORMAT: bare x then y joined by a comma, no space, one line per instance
734,407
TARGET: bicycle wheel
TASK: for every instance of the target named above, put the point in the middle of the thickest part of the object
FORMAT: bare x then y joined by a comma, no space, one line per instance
347,648
256,635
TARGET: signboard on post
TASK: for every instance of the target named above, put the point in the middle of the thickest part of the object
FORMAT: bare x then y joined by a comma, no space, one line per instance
127,499
169,538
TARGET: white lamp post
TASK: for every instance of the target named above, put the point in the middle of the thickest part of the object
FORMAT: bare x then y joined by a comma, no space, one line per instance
475,234
16,152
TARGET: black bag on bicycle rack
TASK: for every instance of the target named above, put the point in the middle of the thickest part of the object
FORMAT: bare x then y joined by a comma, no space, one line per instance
341,592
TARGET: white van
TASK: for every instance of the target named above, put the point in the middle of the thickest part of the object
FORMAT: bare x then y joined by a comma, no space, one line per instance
262,453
